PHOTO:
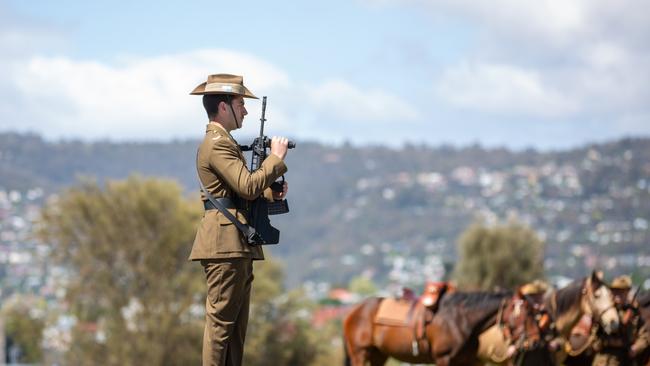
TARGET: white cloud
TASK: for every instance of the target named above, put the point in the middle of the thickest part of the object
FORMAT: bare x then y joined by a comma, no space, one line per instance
567,62
633,124
502,89
549,22
138,98
612,78
555,59
343,101
148,98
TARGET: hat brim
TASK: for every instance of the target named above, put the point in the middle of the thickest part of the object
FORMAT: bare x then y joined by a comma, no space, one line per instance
220,88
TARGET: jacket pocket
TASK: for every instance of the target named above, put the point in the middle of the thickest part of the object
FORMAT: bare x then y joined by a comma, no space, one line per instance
230,238
239,214
207,237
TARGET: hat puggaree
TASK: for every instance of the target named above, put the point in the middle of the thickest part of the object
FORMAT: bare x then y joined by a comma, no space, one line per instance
224,84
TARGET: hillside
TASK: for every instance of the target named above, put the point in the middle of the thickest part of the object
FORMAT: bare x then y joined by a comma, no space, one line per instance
394,214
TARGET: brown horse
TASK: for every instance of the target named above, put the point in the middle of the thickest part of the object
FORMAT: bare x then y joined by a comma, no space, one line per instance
367,340
461,316
501,338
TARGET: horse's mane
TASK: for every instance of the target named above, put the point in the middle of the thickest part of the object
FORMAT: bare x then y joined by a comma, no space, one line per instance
568,296
477,299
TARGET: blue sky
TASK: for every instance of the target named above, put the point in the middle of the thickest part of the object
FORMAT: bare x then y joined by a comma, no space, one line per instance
544,74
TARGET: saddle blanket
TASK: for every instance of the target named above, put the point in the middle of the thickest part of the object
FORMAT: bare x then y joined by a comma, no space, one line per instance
493,345
395,312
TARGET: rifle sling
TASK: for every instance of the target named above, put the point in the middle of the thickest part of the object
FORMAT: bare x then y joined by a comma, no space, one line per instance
225,202
220,204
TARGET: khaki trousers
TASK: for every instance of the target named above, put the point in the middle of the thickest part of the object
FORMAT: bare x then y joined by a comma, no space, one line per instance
226,310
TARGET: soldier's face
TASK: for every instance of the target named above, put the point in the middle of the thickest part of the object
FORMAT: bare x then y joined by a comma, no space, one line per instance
240,112
620,295
226,117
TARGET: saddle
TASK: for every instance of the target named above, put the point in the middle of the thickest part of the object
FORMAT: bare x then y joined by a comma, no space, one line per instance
412,312
433,291
398,312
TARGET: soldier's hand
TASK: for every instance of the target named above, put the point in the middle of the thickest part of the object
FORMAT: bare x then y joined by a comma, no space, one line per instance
279,146
281,195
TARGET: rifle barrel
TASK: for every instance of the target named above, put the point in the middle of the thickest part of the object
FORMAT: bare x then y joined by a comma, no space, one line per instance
263,118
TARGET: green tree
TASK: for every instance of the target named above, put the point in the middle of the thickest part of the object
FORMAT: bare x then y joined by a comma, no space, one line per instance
24,324
279,329
502,256
130,286
362,286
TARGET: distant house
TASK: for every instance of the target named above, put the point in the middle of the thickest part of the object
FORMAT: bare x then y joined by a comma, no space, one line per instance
323,315
342,295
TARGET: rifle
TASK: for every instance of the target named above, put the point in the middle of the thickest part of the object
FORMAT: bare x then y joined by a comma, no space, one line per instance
260,209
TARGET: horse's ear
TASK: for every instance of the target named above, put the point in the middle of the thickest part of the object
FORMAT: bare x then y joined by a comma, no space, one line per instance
596,279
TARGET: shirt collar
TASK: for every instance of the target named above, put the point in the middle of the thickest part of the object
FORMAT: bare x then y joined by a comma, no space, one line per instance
213,126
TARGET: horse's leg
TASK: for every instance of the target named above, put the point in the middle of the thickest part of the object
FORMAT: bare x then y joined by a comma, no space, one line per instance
358,357
355,354
357,349
376,357
443,360
347,359
447,360
358,330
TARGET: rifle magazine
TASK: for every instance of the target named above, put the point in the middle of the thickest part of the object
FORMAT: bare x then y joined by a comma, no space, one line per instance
278,207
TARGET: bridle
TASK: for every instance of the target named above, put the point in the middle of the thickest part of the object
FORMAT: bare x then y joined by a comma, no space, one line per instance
595,315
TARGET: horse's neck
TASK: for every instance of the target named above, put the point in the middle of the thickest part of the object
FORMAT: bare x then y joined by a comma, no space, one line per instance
481,319
565,321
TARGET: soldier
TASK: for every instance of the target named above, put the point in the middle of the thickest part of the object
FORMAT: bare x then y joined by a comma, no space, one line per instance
642,339
221,248
535,292
630,315
613,349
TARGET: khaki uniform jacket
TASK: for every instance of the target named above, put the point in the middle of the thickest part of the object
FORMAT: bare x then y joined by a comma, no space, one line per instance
222,169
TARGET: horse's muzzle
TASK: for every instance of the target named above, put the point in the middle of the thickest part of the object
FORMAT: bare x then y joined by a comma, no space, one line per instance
611,327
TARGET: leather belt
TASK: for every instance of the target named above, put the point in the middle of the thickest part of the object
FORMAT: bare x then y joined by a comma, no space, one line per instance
225,201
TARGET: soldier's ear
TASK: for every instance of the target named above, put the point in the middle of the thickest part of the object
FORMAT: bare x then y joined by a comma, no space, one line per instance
222,107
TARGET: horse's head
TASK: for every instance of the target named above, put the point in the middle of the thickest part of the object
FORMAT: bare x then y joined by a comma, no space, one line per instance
598,301
527,318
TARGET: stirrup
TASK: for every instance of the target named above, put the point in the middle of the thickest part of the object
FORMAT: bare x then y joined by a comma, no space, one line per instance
415,348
